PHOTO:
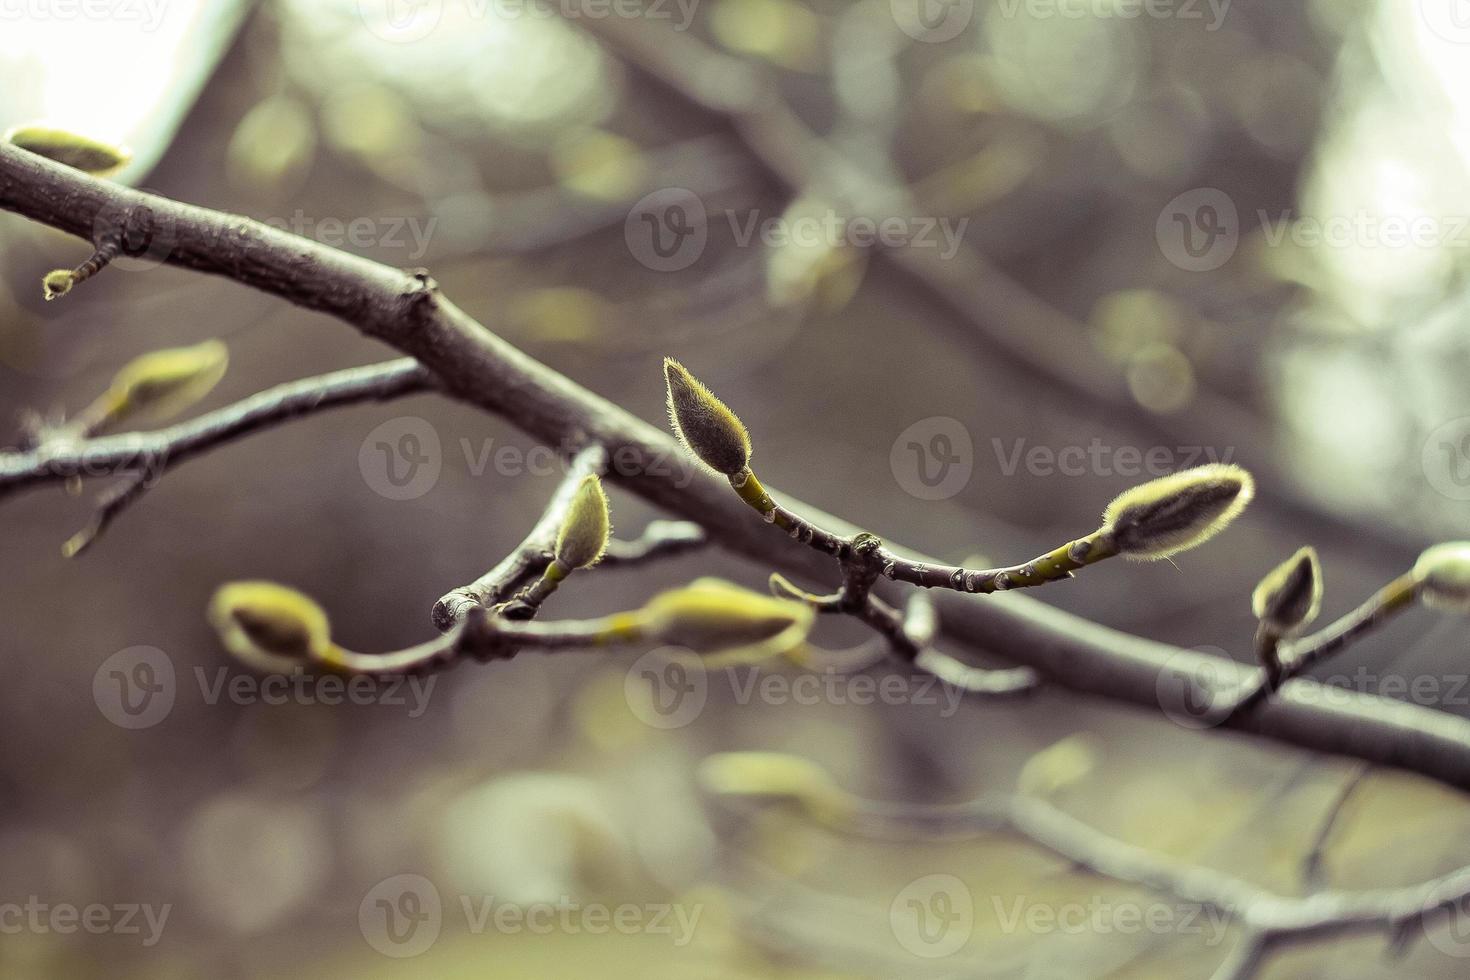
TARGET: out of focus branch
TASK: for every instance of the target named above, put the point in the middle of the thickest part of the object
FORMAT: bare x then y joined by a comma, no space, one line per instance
1269,920
407,311
144,457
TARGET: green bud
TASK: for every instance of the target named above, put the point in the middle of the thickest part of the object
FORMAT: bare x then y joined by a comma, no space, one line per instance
583,535
1443,573
707,428
1290,595
79,152
164,383
270,626
1177,512
712,616
58,283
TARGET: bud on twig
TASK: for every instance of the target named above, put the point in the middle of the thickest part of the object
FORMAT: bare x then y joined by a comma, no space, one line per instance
57,283
707,428
88,155
1443,574
584,531
269,626
1290,595
712,616
161,384
1177,512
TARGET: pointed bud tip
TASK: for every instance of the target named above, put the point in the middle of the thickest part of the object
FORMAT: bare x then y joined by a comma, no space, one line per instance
708,429
1177,512
1290,595
584,532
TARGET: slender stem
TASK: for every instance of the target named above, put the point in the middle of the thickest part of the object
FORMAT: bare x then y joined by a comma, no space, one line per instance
750,489
486,636
1057,564
58,461
660,539
1312,863
1296,657
1395,597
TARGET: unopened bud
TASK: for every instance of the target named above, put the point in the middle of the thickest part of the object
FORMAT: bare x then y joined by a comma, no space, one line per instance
164,383
707,428
711,616
58,283
583,535
270,626
1443,573
1290,595
79,152
1177,512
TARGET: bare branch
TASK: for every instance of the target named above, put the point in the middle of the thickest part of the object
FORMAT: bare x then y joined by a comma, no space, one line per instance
143,457
407,311
1270,920
660,539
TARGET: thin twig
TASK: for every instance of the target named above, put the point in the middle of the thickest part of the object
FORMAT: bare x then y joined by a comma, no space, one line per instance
1312,864
660,539
529,558
143,457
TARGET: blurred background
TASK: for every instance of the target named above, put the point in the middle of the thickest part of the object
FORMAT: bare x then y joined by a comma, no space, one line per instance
1120,239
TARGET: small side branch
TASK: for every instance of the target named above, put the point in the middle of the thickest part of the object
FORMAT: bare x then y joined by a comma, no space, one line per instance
529,558
143,457
660,539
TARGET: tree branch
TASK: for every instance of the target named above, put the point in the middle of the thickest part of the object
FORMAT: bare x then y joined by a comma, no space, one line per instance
1269,920
405,310
144,457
